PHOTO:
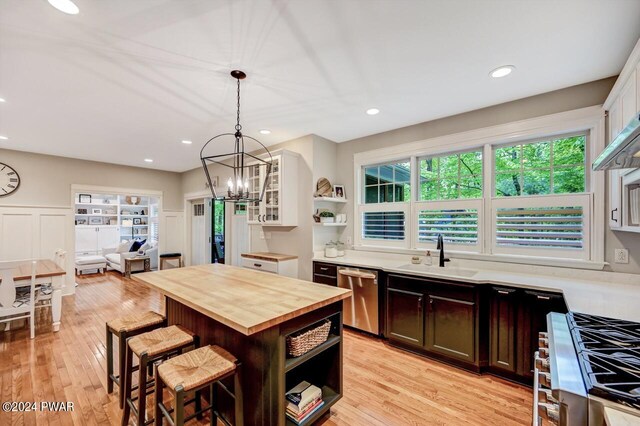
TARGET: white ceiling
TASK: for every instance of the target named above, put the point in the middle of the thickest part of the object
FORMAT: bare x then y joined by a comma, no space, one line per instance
126,80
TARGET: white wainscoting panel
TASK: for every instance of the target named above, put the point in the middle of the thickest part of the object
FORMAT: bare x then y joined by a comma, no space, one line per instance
37,232
171,232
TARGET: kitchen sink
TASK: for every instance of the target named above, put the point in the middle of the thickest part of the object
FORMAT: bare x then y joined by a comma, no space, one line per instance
436,270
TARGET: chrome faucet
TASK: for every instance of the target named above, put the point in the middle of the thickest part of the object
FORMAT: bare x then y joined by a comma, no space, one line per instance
440,247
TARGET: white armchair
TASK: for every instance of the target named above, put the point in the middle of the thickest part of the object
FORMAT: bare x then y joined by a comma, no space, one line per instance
115,256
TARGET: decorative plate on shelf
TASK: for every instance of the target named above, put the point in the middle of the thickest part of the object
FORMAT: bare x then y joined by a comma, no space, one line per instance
323,188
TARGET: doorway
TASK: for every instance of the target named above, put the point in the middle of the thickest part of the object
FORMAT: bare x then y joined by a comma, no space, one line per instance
200,231
218,226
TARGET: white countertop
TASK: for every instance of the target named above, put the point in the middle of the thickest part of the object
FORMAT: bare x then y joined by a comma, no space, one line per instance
593,292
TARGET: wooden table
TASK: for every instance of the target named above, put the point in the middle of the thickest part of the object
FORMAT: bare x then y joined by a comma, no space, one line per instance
130,261
250,313
47,272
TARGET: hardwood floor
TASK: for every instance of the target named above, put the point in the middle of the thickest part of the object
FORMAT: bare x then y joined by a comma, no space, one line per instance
383,385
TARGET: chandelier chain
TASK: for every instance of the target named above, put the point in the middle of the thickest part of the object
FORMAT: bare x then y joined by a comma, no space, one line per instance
238,126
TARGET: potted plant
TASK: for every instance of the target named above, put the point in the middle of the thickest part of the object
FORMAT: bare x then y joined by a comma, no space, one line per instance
327,217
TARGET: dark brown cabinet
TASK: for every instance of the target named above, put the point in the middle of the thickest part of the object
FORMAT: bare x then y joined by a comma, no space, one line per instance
434,317
532,319
502,329
451,327
325,273
405,322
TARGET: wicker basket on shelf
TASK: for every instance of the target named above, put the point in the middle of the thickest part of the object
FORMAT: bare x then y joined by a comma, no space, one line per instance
307,340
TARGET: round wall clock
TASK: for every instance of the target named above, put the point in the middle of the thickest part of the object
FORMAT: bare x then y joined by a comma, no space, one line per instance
9,180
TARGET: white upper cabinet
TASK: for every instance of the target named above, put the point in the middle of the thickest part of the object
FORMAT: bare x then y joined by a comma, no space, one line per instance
622,104
628,100
279,204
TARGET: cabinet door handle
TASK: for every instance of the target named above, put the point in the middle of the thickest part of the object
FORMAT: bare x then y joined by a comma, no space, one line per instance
543,297
324,269
419,303
259,218
614,210
257,265
503,292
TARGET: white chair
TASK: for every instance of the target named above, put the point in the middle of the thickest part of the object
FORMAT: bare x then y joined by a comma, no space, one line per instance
44,293
13,307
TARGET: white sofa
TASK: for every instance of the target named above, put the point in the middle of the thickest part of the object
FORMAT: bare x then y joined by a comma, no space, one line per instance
115,256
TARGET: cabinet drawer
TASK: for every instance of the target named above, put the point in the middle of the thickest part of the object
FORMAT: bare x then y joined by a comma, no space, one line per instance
323,279
260,265
326,269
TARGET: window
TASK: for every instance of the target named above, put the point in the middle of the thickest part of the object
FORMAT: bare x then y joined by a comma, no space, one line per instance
530,199
451,177
386,196
387,183
540,168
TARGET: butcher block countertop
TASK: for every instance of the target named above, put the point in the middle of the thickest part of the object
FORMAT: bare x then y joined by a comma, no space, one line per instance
248,301
273,257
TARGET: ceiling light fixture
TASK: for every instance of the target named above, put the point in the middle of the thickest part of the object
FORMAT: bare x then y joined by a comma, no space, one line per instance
502,71
238,161
65,6
4,138
2,100
148,160
265,132
373,111
187,142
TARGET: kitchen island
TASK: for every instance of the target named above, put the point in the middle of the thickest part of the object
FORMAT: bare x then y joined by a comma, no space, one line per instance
250,314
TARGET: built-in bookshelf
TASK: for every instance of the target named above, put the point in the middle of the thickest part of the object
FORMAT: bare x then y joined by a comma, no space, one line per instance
113,217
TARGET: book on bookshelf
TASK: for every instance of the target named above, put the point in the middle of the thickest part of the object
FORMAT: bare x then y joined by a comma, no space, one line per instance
304,416
302,394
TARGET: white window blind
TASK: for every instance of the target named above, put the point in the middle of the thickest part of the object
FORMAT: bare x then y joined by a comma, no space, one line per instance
383,225
455,226
552,227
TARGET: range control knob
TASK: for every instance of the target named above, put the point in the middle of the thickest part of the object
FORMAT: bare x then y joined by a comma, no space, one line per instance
542,364
549,412
544,379
545,396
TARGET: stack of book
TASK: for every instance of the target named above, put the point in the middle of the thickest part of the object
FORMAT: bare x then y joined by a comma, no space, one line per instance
302,401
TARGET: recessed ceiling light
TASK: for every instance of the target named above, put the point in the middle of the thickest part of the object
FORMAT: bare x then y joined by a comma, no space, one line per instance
2,100
373,111
187,142
265,132
502,71
148,160
4,138
66,6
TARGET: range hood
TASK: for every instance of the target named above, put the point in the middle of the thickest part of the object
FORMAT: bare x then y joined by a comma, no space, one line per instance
624,151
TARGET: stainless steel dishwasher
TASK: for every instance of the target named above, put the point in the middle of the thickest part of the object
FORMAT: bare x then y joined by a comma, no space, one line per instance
361,309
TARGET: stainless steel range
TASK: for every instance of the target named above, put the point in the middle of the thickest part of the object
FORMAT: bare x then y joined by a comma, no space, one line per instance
586,363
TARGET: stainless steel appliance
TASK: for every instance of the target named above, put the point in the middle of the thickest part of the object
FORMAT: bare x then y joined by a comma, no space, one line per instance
586,363
361,309
624,151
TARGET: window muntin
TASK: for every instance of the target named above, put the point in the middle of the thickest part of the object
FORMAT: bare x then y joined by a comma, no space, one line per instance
451,177
554,166
387,183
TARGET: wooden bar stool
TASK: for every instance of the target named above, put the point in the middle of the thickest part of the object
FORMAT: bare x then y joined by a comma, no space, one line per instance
166,257
123,328
149,348
193,372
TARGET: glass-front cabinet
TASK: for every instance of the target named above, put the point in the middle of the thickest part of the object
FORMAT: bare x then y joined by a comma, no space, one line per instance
281,188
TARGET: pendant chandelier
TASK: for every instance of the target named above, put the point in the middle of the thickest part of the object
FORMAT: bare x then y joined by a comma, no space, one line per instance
240,161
